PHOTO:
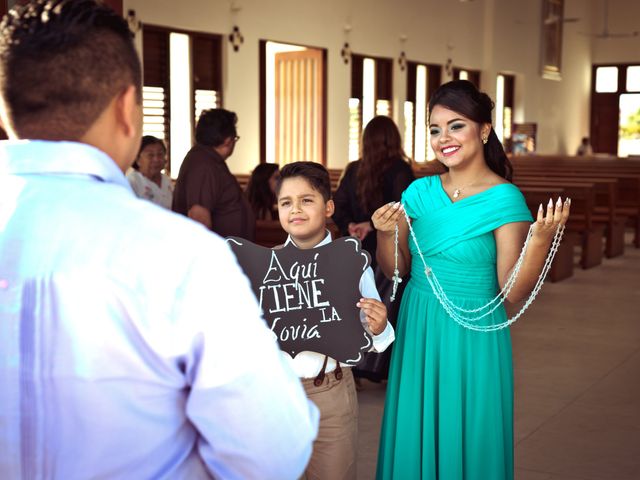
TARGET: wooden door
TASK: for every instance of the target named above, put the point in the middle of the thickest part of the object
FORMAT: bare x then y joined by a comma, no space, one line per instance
605,119
299,106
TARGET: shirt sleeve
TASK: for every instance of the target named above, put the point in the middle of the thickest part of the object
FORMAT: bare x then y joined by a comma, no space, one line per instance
252,414
134,181
401,182
343,212
203,187
368,289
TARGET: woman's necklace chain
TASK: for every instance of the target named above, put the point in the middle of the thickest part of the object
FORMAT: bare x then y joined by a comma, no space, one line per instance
458,191
459,314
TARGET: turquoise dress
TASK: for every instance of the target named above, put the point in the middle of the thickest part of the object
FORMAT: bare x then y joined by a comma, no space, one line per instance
449,407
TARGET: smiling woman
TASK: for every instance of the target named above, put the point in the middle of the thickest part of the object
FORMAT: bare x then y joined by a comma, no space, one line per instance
451,365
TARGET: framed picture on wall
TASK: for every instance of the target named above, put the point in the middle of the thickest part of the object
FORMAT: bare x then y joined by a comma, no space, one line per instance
551,38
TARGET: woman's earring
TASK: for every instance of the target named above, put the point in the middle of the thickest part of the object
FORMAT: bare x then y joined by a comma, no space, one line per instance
485,140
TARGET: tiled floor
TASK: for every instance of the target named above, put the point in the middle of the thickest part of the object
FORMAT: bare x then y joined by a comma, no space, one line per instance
577,380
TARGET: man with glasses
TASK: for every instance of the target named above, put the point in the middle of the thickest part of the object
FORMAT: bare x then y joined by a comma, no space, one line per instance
206,191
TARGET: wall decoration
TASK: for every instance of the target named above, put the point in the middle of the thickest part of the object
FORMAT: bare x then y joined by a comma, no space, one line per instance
551,36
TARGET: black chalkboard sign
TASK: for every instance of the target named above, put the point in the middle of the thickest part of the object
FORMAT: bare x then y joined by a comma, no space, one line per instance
308,297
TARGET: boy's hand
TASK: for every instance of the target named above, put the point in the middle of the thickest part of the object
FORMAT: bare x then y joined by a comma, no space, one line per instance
376,314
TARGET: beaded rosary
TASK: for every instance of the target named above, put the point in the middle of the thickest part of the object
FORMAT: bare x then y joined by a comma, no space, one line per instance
459,314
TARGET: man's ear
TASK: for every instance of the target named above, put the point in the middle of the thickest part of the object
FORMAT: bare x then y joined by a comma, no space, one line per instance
128,111
330,208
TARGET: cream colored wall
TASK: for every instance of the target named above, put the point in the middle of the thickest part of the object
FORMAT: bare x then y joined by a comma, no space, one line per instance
490,35
559,107
624,17
376,29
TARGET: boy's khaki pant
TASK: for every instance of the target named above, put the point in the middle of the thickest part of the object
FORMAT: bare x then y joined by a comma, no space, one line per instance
334,451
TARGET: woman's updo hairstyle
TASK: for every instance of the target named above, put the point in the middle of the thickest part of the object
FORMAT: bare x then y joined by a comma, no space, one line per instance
462,96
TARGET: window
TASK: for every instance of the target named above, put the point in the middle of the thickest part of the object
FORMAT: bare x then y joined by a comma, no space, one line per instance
422,80
633,78
606,79
505,90
466,74
371,95
182,76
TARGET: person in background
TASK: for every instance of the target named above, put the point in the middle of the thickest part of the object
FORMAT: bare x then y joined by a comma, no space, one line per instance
261,191
147,180
304,206
379,177
115,364
206,190
585,148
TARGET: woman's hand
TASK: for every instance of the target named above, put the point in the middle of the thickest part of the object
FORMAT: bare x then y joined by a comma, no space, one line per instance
360,230
386,217
376,314
545,226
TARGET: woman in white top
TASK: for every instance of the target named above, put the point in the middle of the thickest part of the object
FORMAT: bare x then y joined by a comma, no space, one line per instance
146,177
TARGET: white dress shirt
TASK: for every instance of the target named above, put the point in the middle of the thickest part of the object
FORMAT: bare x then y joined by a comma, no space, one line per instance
132,345
148,189
308,364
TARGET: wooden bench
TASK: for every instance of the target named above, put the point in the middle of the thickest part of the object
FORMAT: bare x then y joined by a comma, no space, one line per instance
625,170
605,190
580,222
562,266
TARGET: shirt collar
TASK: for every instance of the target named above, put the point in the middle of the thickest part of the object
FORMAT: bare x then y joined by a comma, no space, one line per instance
327,239
19,157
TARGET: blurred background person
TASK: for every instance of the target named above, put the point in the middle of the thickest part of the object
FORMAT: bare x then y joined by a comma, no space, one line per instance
261,191
206,191
146,177
584,148
379,177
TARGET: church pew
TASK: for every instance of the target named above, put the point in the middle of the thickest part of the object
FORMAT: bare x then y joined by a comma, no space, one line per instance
627,195
243,180
562,266
590,234
608,216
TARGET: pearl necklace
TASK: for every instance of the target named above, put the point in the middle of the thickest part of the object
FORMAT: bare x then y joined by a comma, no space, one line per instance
461,315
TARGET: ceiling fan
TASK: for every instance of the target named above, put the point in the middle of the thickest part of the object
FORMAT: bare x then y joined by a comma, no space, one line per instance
554,18
605,33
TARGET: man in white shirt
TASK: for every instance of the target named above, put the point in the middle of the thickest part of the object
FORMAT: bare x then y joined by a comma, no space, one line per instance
132,346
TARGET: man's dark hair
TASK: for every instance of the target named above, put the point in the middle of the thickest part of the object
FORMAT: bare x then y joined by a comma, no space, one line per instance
215,126
61,63
312,172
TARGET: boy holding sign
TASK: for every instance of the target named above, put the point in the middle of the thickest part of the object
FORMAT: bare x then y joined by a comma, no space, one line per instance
304,205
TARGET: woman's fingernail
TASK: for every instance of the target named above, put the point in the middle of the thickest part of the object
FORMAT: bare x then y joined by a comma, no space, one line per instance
550,205
540,208
559,202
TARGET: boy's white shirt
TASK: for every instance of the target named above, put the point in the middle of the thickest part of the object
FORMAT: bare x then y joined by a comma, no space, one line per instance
308,364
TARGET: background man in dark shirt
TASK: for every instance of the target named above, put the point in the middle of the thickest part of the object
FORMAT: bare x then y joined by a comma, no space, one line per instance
206,190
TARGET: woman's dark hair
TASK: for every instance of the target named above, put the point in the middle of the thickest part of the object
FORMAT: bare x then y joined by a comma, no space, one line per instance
314,173
144,143
259,193
462,96
381,147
